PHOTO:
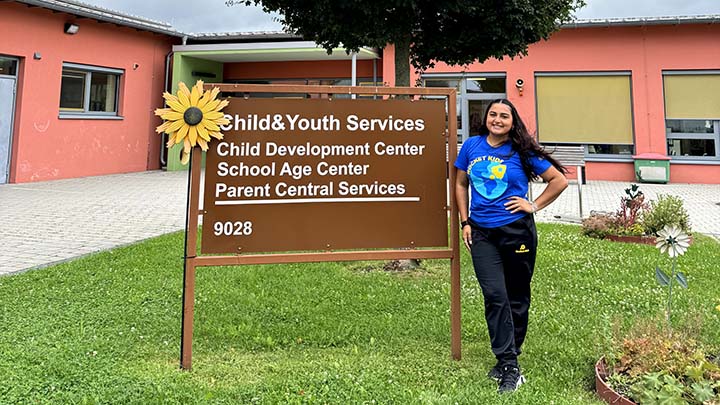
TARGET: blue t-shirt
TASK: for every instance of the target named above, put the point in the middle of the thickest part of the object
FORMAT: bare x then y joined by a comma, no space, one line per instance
495,175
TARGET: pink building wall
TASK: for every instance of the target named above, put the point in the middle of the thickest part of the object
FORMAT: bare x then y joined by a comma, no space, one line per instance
645,51
46,147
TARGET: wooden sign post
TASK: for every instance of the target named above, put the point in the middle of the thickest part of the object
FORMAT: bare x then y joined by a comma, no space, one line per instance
346,179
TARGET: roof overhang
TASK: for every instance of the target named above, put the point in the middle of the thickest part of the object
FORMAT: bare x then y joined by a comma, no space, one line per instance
644,21
106,15
270,52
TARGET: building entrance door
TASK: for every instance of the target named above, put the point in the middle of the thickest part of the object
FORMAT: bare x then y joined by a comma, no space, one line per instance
475,92
7,112
476,110
8,72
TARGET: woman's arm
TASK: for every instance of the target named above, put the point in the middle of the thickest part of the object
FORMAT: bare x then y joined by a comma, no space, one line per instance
556,183
462,199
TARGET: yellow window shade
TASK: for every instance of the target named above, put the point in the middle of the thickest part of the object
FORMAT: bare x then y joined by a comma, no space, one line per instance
692,96
584,109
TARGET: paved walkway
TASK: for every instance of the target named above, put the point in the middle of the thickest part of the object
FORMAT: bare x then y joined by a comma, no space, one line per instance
50,222
702,201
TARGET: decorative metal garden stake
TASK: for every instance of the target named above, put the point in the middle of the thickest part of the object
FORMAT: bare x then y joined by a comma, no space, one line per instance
674,242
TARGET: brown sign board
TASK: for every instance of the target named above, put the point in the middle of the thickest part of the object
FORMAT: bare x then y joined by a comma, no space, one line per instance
327,174
320,175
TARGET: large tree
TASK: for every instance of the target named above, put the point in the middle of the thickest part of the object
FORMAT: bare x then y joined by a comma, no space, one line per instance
456,32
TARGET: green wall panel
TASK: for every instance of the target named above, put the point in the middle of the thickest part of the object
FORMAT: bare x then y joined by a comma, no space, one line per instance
183,66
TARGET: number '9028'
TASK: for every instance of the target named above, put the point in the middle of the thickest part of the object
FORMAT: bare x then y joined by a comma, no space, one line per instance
230,228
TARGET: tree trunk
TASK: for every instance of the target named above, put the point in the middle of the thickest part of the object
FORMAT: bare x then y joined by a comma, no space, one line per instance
402,62
402,79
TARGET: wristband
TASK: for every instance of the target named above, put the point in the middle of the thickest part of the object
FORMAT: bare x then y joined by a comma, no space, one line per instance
534,207
463,224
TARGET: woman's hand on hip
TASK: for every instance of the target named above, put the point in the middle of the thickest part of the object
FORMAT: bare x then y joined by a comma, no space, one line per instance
517,204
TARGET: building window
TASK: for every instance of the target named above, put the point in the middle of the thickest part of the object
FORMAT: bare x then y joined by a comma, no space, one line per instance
475,91
610,149
692,115
692,138
593,110
8,66
485,85
89,91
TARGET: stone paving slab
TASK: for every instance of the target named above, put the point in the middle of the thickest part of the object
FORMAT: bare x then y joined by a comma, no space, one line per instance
50,222
702,201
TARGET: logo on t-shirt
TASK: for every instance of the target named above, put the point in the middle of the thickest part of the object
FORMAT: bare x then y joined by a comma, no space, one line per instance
487,174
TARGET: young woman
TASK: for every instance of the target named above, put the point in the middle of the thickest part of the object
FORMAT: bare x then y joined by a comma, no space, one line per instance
493,170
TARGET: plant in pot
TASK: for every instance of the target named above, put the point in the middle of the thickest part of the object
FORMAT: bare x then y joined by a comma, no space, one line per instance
656,366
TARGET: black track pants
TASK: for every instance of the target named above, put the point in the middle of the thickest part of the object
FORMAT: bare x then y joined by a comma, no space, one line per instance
504,259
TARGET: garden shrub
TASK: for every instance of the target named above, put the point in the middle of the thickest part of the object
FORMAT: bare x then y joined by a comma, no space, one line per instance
632,207
655,367
625,221
666,210
598,225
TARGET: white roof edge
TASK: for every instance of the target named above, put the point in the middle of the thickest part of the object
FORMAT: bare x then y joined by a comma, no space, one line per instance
242,35
591,22
639,21
245,46
106,15
255,46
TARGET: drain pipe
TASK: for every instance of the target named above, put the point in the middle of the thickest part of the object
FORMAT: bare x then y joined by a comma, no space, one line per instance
375,83
163,136
354,72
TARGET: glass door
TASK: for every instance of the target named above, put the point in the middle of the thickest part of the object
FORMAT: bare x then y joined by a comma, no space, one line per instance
8,77
474,94
475,112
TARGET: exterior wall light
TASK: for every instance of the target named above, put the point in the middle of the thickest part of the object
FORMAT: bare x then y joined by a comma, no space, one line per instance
71,29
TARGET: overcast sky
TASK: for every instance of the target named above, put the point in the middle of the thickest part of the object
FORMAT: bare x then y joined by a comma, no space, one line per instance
213,16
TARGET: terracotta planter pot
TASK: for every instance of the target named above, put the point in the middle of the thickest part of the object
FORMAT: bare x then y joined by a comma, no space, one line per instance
604,391
647,240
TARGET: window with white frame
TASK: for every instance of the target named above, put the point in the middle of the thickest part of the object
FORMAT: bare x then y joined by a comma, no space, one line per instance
89,90
692,114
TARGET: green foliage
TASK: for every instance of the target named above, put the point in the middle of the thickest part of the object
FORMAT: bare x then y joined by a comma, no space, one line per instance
664,388
656,368
598,225
666,210
659,388
457,32
105,328
632,206
629,230
623,222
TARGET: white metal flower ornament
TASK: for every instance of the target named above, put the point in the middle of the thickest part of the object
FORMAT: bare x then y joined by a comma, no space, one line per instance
672,240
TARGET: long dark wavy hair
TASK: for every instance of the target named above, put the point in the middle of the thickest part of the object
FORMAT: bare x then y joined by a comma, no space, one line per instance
522,141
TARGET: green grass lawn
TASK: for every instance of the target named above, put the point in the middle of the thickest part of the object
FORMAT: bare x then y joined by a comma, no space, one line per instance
106,328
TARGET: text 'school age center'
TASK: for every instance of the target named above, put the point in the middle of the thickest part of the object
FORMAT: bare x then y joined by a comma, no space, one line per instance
78,86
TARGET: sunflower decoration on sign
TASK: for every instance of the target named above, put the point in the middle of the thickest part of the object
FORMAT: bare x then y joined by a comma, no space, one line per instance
193,118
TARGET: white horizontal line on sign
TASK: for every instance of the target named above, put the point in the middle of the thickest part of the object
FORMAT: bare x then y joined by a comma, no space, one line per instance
319,200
